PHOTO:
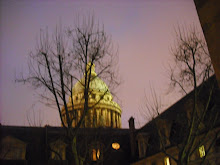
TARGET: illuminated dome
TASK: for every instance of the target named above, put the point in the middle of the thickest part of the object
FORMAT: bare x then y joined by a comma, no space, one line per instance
96,84
104,111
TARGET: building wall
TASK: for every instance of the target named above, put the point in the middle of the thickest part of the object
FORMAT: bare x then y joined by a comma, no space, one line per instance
158,159
209,16
12,148
41,145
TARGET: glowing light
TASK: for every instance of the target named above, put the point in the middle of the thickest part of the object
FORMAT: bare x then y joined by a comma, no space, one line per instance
95,154
115,146
201,151
98,154
167,161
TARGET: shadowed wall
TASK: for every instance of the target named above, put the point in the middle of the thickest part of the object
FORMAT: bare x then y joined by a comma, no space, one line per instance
209,16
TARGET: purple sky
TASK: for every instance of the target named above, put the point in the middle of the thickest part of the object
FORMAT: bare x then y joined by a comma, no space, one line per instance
143,31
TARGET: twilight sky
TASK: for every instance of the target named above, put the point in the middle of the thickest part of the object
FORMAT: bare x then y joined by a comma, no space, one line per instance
143,31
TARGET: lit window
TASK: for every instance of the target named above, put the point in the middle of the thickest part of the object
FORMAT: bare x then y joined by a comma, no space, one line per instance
167,161
115,146
95,154
98,154
201,151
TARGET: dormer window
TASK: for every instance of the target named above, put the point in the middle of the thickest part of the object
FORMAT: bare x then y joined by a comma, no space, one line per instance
96,152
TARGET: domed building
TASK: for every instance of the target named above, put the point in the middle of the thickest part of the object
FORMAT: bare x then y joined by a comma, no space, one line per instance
103,111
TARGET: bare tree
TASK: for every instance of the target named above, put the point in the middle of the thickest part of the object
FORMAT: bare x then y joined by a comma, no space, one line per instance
152,105
192,74
193,68
192,60
59,61
34,117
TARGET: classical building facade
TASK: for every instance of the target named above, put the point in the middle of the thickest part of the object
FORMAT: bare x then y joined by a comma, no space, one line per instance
103,112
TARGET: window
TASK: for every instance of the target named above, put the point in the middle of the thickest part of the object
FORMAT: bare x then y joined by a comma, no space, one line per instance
202,151
96,151
95,154
115,146
166,160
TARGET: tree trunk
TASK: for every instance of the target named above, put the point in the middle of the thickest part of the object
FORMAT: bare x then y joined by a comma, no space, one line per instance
74,151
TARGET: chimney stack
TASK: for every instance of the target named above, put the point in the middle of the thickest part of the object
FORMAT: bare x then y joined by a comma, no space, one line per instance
132,137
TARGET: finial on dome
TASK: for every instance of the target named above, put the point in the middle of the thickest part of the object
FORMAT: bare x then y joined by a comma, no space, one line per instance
93,73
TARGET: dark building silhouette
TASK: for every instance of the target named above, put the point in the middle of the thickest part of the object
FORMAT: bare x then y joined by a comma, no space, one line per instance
112,146
161,138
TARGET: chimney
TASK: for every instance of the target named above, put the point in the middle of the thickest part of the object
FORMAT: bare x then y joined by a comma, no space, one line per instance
132,137
131,123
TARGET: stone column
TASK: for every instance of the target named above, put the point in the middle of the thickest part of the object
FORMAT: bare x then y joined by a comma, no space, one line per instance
98,117
91,118
78,115
119,121
113,119
109,118
102,117
118,125
105,116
